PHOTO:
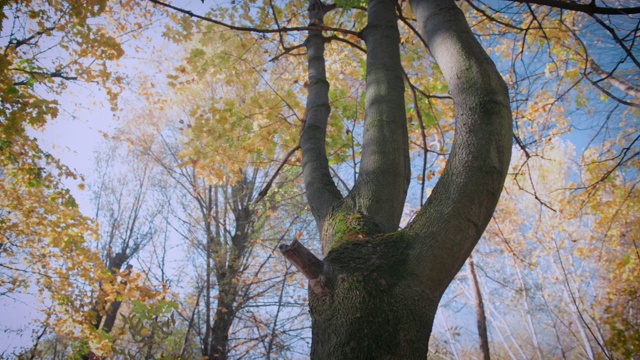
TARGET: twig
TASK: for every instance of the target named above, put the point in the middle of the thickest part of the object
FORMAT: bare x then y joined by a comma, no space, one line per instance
266,188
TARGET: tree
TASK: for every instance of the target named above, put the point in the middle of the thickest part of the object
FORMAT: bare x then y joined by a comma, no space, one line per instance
383,285
219,210
366,283
129,219
50,49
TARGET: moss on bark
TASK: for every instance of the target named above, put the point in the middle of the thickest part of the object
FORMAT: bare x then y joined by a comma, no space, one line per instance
347,227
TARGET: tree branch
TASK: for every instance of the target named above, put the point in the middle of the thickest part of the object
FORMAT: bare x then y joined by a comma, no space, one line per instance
54,74
308,264
322,192
381,188
623,86
447,228
348,42
17,43
492,18
266,188
590,8
313,27
618,40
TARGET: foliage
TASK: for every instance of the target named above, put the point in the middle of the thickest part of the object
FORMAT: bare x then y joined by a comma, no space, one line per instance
46,242
229,123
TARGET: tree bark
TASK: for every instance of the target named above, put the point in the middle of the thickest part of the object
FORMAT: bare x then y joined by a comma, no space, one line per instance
223,319
449,225
384,285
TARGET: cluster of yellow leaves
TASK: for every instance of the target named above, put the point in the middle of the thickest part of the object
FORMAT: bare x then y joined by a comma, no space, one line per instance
45,243
43,239
239,109
50,44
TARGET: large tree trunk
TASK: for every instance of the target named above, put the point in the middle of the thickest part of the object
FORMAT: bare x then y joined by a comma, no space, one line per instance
379,289
376,306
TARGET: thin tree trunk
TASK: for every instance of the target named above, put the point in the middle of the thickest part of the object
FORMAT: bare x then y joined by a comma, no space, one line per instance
509,334
480,314
223,319
114,307
228,262
575,310
512,356
272,337
34,349
185,343
207,302
527,313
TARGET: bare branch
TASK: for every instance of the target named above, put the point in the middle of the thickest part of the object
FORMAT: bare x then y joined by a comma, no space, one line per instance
266,188
348,42
492,18
17,43
590,8
618,40
53,74
253,29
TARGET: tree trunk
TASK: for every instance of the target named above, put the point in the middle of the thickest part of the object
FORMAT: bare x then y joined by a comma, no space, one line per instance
377,308
223,319
228,264
480,313
379,289
106,322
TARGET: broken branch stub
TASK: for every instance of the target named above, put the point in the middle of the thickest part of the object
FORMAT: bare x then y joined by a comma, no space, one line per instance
305,261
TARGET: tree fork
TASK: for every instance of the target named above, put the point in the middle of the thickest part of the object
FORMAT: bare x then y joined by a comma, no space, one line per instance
381,294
